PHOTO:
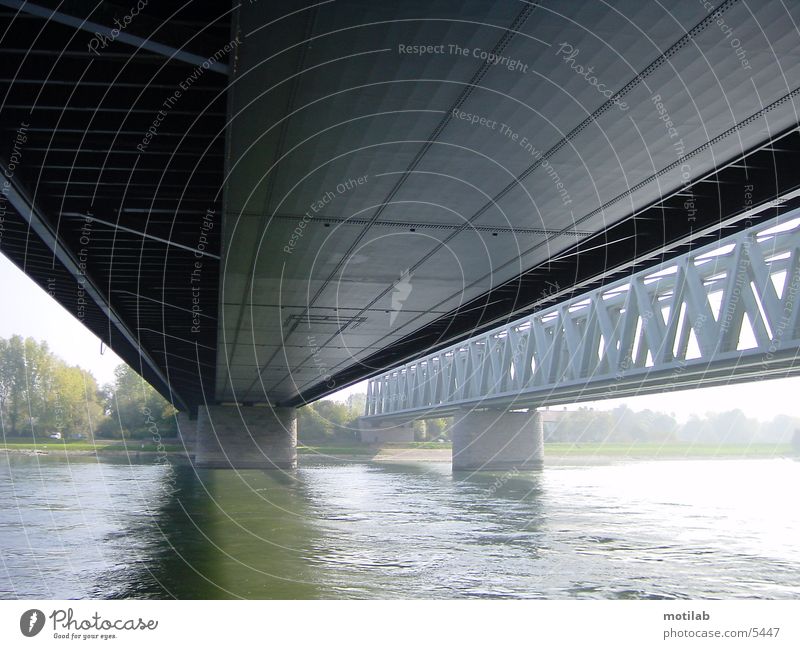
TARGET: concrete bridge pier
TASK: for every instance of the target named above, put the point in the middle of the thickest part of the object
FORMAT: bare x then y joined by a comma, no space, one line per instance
187,431
497,440
246,437
397,433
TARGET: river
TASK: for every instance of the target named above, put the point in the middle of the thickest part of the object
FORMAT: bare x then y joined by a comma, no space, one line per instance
81,528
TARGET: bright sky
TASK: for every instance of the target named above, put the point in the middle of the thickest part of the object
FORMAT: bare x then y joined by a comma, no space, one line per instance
29,311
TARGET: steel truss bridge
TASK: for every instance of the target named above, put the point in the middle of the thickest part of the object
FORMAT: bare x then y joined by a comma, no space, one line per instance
726,312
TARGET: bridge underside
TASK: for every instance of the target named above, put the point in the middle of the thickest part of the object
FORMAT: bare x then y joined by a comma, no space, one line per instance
368,219
321,201
109,177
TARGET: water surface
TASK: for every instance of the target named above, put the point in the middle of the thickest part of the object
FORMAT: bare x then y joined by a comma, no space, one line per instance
655,529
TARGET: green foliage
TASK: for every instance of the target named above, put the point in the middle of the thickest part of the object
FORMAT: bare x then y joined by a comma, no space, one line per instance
40,395
135,410
621,424
77,402
356,404
583,424
335,422
13,384
431,430
625,426
329,421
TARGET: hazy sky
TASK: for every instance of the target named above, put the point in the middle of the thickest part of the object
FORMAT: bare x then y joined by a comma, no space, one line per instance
28,310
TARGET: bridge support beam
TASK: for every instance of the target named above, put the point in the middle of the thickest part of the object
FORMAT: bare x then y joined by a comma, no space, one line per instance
246,437
187,431
386,433
494,440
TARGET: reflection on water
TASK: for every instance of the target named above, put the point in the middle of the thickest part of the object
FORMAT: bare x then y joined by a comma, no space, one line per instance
107,529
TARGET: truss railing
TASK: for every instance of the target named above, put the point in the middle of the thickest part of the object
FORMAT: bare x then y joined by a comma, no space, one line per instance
727,312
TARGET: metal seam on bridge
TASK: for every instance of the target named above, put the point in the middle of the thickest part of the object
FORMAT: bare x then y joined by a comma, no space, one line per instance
338,221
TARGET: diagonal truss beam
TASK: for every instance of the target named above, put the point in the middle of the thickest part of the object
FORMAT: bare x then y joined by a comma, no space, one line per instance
39,224
144,235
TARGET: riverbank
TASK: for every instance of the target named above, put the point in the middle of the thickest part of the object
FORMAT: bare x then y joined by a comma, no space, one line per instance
23,446
555,453
558,453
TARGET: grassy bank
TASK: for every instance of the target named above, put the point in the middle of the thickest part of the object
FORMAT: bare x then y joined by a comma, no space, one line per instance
98,446
336,450
366,449
556,450
420,449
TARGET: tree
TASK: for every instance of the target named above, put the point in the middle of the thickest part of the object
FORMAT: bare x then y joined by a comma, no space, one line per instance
328,421
13,381
585,426
356,404
78,407
134,408
779,430
731,427
40,394
438,428
26,374
6,381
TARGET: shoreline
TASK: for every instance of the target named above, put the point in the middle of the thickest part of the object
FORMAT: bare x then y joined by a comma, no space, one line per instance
556,455
399,456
